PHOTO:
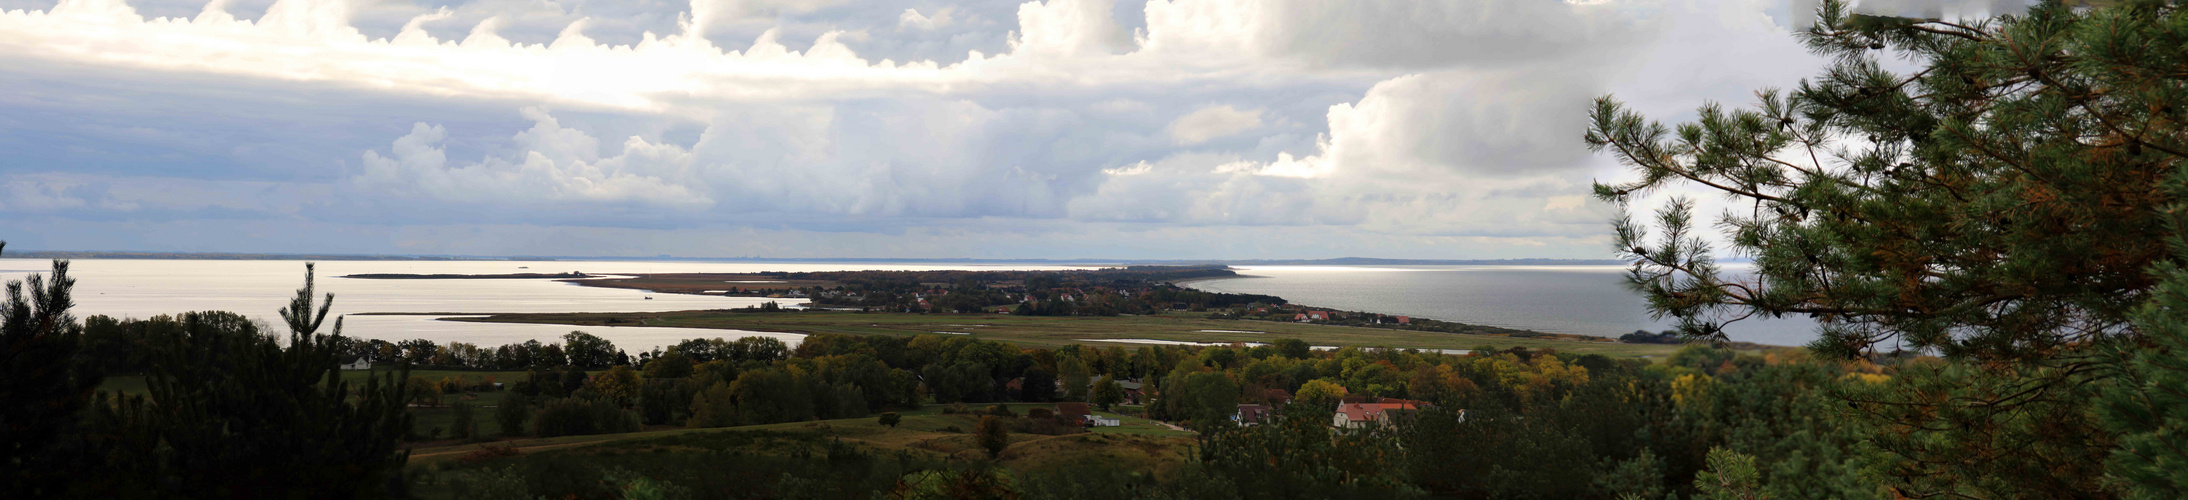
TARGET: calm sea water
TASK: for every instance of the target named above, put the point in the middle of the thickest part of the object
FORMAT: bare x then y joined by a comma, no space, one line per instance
1587,300
260,288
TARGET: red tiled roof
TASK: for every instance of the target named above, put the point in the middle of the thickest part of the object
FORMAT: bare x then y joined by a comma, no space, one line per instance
1254,413
1361,412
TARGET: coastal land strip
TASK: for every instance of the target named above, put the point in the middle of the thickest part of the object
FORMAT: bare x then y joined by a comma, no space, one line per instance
1056,331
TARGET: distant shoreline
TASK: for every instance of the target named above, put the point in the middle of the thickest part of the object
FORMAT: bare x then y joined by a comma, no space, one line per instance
514,276
1341,261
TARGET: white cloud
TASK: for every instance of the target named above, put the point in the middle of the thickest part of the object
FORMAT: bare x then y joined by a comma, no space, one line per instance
912,19
1446,124
557,165
705,13
1213,122
150,196
1380,33
1447,129
1069,28
25,194
1140,168
313,41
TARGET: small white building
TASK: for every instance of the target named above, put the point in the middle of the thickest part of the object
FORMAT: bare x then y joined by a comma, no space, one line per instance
361,363
1101,421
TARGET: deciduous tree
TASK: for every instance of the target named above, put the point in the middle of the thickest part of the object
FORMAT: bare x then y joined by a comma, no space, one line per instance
1319,394
994,434
671,365
714,407
1106,392
588,352
1076,377
618,384
512,412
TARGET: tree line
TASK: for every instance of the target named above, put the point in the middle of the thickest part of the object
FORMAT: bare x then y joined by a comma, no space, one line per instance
1096,292
231,410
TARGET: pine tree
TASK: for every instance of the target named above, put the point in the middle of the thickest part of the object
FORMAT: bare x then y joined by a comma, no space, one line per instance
234,413
2001,203
44,385
1731,476
2002,206
2148,405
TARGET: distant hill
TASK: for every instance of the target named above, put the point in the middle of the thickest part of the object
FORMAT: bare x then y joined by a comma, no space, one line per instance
1341,261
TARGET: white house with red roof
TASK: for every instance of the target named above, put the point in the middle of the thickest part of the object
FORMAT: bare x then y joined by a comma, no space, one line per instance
1382,412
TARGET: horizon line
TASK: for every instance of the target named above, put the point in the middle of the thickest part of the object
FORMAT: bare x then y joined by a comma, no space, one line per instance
163,255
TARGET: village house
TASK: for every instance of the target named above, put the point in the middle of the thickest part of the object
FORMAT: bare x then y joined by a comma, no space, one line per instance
1253,414
1359,414
358,363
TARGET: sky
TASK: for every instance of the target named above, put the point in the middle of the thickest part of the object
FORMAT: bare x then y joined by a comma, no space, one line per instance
1162,129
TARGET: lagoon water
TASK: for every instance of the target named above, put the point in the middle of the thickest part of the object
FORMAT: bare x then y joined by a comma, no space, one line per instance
1564,299
260,288
1587,300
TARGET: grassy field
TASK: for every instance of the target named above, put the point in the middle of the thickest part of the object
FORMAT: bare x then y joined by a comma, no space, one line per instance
1054,331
